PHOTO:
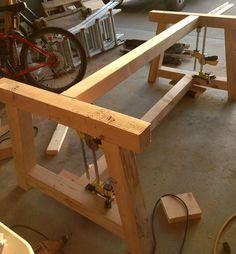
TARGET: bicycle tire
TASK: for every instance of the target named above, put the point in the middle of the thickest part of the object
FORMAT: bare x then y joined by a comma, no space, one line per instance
75,48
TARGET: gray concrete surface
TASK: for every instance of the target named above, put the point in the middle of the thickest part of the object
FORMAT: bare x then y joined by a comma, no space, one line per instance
193,150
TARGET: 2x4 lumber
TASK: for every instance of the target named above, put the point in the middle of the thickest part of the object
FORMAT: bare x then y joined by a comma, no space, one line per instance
123,171
77,198
216,21
22,138
222,8
128,132
157,62
99,83
57,140
156,114
230,50
177,74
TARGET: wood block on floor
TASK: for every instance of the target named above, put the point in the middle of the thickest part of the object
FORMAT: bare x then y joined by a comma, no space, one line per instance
175,211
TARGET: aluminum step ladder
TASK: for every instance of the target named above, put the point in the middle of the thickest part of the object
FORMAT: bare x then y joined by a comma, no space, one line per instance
98,32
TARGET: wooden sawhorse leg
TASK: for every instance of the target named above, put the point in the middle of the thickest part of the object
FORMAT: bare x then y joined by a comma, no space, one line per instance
22,134
230,50
123,172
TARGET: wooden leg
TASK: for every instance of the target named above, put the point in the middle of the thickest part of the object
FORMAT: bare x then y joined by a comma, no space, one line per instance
230,48
157,62
123,172
22,135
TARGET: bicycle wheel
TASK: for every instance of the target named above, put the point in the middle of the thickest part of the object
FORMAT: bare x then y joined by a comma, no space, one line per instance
69,62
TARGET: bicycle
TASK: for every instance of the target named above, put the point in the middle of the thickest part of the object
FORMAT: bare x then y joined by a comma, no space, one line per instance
50,58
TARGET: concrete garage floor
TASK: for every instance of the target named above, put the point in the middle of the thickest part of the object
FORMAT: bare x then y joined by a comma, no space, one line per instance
193,150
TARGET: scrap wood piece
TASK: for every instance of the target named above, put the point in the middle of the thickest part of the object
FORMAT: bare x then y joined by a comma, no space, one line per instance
57,139
174,210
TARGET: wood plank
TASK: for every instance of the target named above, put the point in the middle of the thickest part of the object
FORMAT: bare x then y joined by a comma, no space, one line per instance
157,113
222,8
217,21
57,140
123,171
76,198
117,128
157,62
175,211
230,47
22,138
99,83
177,74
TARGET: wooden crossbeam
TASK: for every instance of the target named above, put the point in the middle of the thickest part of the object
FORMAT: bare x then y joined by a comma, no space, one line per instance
99,83
230,47
168,101
126,183
74,196
22,139
217,21
117,128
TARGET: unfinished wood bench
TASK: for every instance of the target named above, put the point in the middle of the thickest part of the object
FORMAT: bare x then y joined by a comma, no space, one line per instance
120,136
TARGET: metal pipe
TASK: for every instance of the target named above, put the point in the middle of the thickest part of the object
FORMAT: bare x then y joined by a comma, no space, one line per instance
203,46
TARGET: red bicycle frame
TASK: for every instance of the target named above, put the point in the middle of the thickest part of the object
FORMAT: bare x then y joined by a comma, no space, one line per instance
51,58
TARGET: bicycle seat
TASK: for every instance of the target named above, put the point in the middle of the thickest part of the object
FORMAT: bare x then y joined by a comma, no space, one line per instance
14,8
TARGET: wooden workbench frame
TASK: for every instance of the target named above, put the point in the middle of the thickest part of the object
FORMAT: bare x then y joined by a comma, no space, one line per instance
121,136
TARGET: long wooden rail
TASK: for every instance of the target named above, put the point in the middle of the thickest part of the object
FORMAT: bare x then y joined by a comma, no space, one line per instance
120,135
